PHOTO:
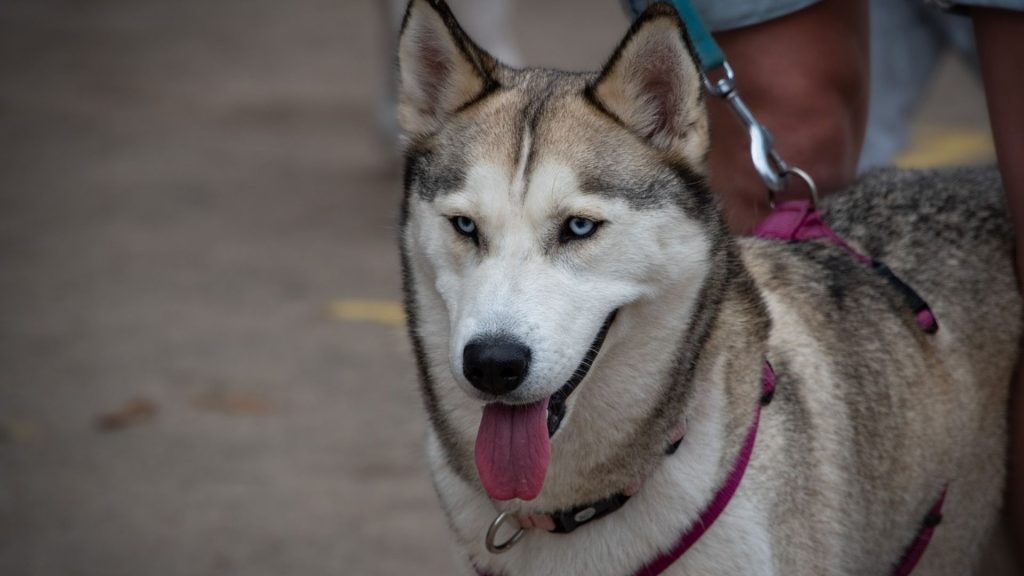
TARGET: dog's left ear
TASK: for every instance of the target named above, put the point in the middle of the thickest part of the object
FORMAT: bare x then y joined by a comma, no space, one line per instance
440,68
652,85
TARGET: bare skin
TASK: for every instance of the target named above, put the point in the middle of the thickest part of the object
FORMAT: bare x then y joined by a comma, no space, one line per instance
813,101
1000,38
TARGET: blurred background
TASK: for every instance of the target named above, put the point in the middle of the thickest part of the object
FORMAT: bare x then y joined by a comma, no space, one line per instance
203,365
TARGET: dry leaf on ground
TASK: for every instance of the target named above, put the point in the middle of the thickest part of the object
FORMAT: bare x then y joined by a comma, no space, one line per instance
131,413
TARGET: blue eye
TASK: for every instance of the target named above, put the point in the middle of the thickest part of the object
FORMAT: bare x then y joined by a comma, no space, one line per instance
464,226
576,228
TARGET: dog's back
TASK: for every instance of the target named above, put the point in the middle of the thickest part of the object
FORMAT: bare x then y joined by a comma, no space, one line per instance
888,416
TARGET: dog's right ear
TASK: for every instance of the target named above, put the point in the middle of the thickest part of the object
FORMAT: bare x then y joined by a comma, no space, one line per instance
652,86
440,69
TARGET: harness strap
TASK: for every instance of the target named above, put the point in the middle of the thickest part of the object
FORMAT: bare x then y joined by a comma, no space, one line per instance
799,221
725,493
924,536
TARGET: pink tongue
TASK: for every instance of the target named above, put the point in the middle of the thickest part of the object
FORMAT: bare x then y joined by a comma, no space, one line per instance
512,450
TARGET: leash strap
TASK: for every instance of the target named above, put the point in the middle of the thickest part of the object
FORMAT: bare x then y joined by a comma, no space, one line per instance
774,171
800,221
710,55
709,52
719,80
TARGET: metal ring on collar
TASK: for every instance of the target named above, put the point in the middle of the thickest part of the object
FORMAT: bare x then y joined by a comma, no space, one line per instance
492,533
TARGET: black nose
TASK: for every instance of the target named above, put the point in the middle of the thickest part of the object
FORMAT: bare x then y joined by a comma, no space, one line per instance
496,366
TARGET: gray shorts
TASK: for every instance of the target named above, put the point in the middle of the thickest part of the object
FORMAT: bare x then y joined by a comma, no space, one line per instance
960,5
719,15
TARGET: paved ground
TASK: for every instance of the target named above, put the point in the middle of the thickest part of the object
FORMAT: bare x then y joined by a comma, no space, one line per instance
201,365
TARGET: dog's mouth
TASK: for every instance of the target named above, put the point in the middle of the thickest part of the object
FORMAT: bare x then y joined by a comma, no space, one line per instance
556,404
513,443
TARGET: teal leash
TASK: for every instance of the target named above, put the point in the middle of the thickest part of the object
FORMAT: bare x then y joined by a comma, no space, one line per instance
720,80
710,54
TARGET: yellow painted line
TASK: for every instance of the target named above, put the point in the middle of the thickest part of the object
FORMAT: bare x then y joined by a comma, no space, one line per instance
18,431
387,312
937,147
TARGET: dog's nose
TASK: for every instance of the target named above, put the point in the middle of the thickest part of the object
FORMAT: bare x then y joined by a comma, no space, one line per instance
495,366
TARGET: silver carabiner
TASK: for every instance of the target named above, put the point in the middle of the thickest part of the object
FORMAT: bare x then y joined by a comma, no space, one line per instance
772,169
793,170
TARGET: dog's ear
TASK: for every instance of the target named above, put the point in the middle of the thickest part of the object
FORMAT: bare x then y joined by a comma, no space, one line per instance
652,85
440,68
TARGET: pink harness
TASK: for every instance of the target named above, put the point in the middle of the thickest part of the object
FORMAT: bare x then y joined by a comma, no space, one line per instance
725,493
799,221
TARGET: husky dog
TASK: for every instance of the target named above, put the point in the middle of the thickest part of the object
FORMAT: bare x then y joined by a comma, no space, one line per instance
576,304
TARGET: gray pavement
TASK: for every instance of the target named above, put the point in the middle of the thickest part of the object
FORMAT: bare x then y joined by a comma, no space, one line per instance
187,191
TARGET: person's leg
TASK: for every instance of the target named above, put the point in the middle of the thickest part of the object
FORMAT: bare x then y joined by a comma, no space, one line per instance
907,40
1000,38
805,76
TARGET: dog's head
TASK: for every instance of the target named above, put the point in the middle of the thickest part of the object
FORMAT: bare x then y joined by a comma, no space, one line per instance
539,206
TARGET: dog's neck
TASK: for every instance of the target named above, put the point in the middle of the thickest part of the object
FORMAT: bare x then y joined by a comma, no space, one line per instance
701,366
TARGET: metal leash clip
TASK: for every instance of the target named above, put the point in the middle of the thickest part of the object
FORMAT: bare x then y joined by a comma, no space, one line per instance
774,171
